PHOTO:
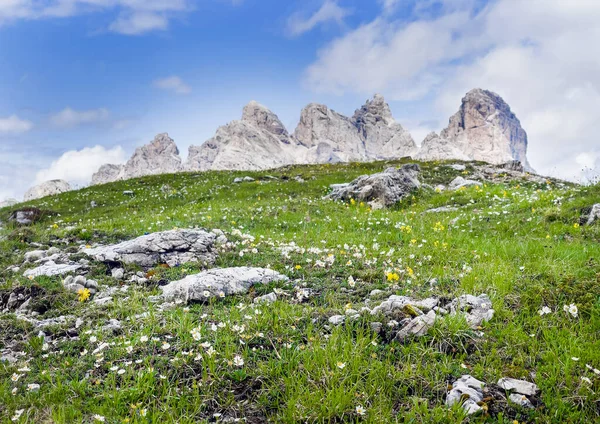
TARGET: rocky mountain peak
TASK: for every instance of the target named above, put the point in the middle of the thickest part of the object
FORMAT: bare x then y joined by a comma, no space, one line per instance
374,110
48,188
483,129
262,118
160,156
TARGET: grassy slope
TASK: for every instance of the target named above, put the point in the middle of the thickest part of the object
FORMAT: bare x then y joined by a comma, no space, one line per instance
516,242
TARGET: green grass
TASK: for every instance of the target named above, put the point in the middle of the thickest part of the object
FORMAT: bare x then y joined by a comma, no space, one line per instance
519,242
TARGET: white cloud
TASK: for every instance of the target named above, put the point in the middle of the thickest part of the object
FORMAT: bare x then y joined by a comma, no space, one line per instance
69,118
174,84
78,166
14,125
329,11
134,16
536,54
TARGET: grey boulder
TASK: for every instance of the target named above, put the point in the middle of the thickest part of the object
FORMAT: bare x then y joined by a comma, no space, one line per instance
460,182
172,247
218,283
380,190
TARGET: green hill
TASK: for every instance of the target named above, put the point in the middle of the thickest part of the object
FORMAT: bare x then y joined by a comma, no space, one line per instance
520,242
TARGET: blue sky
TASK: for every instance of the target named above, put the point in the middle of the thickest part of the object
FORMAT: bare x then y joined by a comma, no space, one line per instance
75,74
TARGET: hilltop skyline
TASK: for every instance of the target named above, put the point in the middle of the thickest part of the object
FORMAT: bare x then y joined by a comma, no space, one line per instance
86,82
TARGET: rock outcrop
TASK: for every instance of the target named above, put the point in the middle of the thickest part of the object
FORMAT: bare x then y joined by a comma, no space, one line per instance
160,156
108,173
172,247
483,129
219,282
380,190
258,141
49,188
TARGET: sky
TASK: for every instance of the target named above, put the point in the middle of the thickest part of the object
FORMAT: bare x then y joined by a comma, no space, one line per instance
84,82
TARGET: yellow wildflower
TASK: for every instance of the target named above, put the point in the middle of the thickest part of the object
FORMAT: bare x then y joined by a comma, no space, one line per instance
83,294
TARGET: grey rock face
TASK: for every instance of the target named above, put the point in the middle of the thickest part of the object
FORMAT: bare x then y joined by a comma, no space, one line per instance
483,129
435,147
161,156
218,283
380,190
50,269
262,118
518,386
171,247
470,390
108,173
49,188
240,145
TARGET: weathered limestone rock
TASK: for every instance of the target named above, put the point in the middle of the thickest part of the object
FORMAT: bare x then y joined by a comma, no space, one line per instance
161,156
476,309
469,390
380,190
49,188
51,268
8,202
218,282
172,247
483,129
518,386
383,137
108,173
435,147
418,326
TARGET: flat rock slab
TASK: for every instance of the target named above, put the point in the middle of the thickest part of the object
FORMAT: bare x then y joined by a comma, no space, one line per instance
218,282
518,386
380,190
50,269
172,247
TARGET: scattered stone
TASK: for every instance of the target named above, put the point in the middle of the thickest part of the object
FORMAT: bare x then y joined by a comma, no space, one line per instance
418,326
238,180
35,255
376,326
117,273
460,182
128,193
519,386
469,390
218,282
50,269
395,302
477,309
337,319
458,167
380,190
79,322
267,298
521,400
113,325
172,247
